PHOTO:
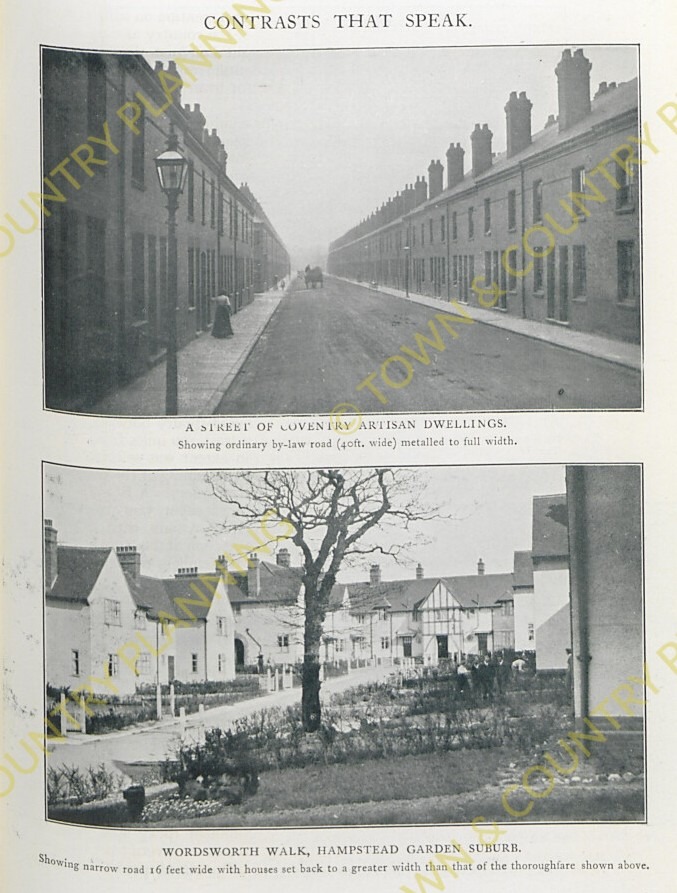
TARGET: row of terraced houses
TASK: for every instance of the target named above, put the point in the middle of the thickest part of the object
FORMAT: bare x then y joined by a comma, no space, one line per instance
105,249
550,227
579,586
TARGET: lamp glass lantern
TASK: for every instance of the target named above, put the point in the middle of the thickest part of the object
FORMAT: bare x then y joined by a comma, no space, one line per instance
171,167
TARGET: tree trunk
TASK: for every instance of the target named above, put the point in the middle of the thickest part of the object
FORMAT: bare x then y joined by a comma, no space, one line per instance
310,697
311,711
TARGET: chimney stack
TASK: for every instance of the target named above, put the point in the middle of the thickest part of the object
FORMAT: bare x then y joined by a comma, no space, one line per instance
481,149
518,122
253,576
420,191
130,560
573,88
374,574
185,572
221,567
419,571
435,178
480,567
455,173
173,73
283,558
50,554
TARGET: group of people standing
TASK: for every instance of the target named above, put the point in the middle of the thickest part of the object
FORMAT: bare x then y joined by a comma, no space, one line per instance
488,674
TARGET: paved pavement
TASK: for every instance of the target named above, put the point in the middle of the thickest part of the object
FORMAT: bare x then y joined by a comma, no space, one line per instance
207,367
620,352
154,742
321,344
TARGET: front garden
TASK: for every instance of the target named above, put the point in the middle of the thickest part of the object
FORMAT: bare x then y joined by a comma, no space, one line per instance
400,748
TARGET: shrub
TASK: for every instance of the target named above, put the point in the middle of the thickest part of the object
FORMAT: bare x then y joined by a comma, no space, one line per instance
68,784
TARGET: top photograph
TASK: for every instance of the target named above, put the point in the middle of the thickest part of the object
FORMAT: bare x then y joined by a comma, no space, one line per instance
345,231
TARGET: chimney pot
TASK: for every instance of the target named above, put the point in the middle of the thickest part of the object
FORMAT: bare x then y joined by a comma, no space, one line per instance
375,574
480,567
419,571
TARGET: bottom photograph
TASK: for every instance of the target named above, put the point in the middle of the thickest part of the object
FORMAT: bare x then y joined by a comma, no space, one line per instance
338,647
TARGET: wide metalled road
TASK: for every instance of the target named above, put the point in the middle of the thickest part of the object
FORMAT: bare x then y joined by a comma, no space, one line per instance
320,344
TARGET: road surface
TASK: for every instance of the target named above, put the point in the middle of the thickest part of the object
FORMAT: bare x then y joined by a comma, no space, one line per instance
322,343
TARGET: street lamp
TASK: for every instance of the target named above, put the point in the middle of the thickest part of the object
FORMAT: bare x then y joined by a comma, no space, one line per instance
171,169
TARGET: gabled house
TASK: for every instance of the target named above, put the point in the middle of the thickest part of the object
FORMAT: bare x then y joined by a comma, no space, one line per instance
193,623
90,617
267,604
550,559
429,618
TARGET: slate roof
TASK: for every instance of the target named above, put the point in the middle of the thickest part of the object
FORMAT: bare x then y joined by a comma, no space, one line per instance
485,589
523,571
618,101
78,569
550,529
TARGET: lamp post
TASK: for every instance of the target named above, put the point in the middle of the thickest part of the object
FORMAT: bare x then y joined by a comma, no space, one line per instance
171,169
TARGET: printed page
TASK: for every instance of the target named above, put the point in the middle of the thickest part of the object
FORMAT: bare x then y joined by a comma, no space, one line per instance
337,496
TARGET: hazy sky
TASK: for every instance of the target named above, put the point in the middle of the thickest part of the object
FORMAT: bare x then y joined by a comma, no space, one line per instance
168,514
323,137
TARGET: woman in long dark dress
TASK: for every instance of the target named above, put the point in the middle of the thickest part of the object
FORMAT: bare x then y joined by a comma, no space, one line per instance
222,327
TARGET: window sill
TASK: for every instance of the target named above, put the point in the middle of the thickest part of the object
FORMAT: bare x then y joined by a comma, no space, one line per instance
559,322
626,209
580,299
626,305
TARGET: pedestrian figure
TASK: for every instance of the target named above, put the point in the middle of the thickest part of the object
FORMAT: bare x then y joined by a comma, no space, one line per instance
222,327
485,677
519,665
461,676
502,674
259,664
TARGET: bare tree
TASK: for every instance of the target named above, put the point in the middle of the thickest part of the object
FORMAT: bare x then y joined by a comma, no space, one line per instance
332,516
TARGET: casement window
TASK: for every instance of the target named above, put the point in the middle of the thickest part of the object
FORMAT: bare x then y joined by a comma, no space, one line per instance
193,662
221,626
113,665
283,643
112,612
75,662
143,665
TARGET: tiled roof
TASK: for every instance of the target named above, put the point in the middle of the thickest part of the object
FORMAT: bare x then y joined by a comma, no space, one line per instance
406,595
78,570
277,583
163,596
523,571
482,589
550,532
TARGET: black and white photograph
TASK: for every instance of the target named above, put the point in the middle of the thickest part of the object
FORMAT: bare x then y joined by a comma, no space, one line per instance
378,229
335,647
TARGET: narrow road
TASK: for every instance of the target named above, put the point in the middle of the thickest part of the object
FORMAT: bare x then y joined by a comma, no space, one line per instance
321,343
156,741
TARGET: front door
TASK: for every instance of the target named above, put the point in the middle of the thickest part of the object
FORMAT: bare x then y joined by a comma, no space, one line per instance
483,642
239,653
442,646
